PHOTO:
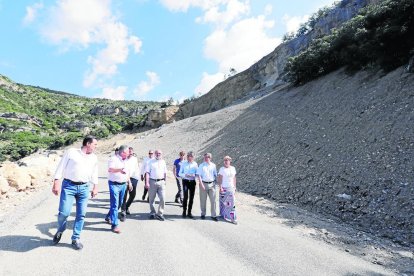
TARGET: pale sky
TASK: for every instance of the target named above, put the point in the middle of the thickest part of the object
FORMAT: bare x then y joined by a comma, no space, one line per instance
140,49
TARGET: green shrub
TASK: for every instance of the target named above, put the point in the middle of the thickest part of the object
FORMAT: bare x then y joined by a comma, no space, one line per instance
380,36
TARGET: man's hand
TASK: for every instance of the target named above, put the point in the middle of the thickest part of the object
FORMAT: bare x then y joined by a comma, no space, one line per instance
94,191
130,187
56,187
147,185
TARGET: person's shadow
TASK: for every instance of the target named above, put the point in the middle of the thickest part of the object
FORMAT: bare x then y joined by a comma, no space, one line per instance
19,243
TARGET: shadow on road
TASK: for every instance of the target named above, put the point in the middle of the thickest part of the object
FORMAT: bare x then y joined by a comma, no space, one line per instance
16,243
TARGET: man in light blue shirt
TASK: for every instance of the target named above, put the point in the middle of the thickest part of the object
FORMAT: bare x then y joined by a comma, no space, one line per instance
188,172
207,174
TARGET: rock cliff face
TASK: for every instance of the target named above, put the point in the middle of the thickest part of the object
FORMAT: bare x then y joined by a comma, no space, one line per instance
268,72
158,117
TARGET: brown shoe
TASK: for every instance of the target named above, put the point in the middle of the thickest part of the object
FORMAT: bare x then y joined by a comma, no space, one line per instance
116,230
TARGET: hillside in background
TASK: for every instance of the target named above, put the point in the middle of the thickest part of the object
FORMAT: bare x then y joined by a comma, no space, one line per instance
356,34
33,118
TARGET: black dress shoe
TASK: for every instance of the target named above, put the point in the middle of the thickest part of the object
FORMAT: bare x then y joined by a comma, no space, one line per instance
176,200
214,218
57,237
184,215
122,216
160,217
152,216
143,197
77,245
190,216
203,217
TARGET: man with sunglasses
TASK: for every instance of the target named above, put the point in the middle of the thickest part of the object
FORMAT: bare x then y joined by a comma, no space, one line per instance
156,175
143,166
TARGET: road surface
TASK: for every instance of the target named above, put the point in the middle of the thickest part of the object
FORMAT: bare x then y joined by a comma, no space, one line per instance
258,245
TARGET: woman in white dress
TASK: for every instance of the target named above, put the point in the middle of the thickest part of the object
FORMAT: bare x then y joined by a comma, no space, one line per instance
227,183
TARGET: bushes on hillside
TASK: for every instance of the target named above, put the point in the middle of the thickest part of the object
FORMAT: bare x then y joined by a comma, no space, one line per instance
380,36
49,119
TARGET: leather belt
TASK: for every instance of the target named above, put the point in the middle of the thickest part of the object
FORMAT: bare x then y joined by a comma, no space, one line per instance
208,182
156,180
75,183
117,183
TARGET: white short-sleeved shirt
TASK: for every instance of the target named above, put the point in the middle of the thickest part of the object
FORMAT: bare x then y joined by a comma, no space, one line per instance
228,175
207,172
157,169
116,162
133,167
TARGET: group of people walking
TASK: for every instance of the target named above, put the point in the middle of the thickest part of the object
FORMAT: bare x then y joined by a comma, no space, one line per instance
79,168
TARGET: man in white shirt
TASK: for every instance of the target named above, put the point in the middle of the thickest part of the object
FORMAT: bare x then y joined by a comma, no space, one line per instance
143,174
207,174
118,177
134,178
156,172
78,168
188,172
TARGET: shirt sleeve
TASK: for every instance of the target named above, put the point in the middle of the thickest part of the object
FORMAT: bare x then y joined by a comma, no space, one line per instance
111,163
215,171
221,171
199,171
94,176
165,168
181,173
234,170
143,166
62,165
147,166
195,168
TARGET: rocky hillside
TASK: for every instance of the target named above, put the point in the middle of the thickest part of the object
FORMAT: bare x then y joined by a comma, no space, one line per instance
32,118
270,72
341,145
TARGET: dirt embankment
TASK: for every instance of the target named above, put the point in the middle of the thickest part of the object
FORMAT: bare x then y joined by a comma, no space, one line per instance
341,145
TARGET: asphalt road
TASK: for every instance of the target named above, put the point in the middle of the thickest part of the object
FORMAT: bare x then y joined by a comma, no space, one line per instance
258,245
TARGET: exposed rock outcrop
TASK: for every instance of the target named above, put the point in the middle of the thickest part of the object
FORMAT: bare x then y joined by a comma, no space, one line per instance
31,172
269,71
22,117
158,117
114,110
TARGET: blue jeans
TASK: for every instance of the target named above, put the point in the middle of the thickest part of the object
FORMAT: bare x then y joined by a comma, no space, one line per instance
68,194
116,198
